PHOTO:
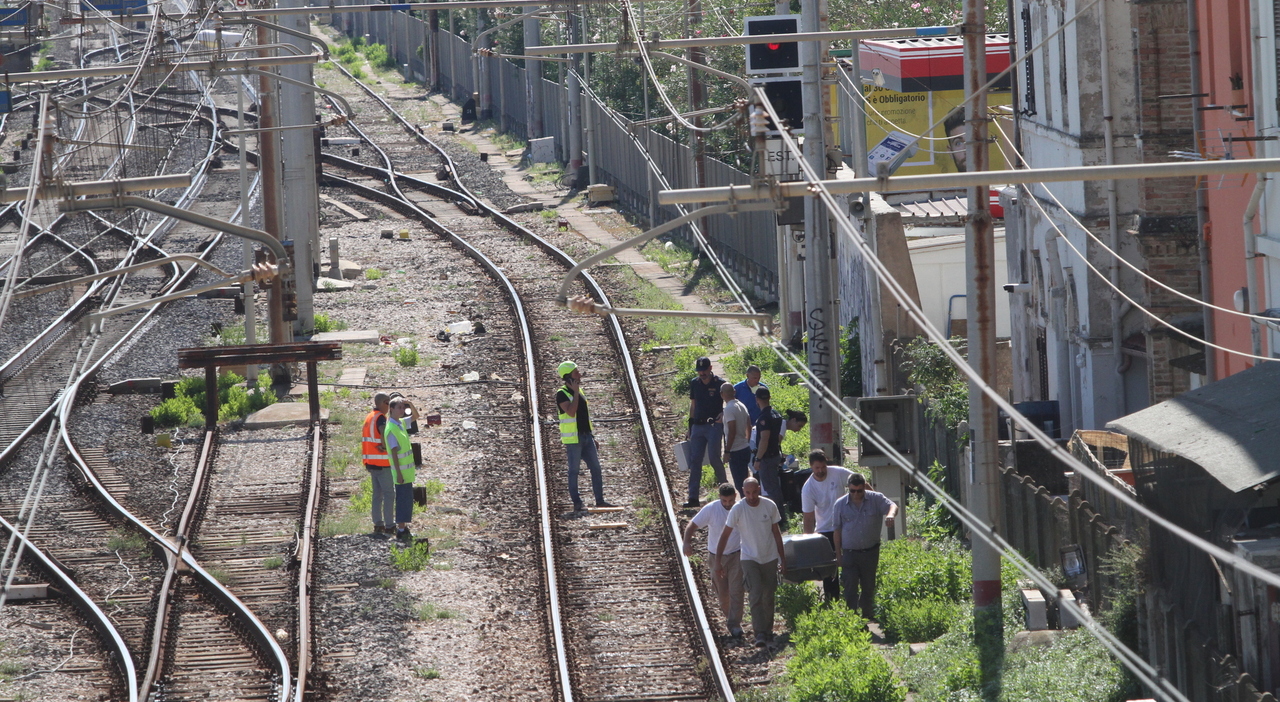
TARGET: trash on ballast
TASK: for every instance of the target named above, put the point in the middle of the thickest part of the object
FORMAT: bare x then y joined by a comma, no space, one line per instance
516,397
404,233
479,328
410,302
433,420
443,335
476,396
463,327
385,340
472,377
163,440
282,636
387,233
468,424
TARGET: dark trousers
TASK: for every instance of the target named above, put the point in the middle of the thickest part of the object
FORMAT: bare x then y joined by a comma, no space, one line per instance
738,462
831,585
404,503
860,580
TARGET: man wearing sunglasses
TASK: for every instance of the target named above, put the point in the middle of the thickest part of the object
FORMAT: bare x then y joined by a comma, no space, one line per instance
857,518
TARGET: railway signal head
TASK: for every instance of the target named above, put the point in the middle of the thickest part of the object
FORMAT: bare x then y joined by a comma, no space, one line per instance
773,56
785,96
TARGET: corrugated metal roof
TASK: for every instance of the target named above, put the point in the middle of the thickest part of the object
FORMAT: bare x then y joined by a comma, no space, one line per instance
1230,428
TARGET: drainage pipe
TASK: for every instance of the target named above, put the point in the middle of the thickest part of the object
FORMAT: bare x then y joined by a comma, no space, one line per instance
1251,266
1113,270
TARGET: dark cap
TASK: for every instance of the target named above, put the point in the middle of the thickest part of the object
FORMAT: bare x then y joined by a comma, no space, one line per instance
703,363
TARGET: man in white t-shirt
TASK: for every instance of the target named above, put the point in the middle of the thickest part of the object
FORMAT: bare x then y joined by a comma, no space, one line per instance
817,499
737,434
727,580
755,521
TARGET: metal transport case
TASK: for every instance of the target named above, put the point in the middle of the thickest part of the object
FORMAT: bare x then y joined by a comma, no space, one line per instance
809,557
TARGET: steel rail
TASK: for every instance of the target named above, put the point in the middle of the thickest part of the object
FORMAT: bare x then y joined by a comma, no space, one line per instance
82,601
306,557
618,336
526,335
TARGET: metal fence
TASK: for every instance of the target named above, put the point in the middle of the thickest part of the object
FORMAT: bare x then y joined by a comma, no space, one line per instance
747,242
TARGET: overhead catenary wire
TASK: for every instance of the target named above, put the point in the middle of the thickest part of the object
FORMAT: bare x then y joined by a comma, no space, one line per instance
1102,245
1192,338
916,314
1139,667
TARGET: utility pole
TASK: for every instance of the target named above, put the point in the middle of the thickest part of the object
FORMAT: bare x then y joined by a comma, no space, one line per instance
433,49
532,73
790,265
301,192
484,103
822,349
980,301
268,167
575,98
693,20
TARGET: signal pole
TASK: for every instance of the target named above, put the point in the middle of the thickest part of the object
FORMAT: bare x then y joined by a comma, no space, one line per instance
532,74
981,303
822,350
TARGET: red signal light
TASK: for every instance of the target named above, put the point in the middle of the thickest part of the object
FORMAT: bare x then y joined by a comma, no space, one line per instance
774,47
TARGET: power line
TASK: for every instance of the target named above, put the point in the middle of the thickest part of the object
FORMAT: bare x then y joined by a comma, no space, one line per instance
1136,305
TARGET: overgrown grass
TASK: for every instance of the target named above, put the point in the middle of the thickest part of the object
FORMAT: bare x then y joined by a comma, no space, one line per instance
796,599
272,563
426,673
348,523
373,274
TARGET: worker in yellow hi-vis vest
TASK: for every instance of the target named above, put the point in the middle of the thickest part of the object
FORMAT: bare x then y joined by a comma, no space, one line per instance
395,441
576,434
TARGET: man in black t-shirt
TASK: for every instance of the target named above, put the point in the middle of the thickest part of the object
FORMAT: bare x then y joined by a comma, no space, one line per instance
705,433
769,447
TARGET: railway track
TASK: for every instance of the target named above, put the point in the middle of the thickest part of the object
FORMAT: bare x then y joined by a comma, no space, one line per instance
626,619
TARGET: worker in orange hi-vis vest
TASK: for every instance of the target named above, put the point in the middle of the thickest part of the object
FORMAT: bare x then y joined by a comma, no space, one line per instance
377,463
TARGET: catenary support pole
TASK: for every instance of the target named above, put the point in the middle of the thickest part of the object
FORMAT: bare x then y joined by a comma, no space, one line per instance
697,142
532,76
575,99
250,301
301,191
484,101
269,168
433,49
980,300
821,347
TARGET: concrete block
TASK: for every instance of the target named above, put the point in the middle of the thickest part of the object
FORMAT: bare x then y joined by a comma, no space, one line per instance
350,269
1067,619
359,336
542,150
324,285
28,591
599,194
135,385
282,414
1036,613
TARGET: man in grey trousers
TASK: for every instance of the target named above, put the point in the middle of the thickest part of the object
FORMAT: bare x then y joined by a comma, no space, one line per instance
857,518
755,521
376,462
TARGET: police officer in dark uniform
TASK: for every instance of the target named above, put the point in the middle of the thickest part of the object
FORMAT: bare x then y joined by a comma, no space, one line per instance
705,432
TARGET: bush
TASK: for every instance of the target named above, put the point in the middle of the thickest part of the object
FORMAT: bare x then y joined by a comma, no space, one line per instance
835,661
379,57
915,621
373,274
783,395
947,666
234,402
796,599
175,412
911,575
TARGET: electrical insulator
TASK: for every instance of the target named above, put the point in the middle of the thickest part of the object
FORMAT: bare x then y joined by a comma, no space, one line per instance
759,121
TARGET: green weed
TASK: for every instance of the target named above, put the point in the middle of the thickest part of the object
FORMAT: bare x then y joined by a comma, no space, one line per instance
406,356
427,673
413,557
428,611
835,661
126,541
373,274
325,323
272,563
